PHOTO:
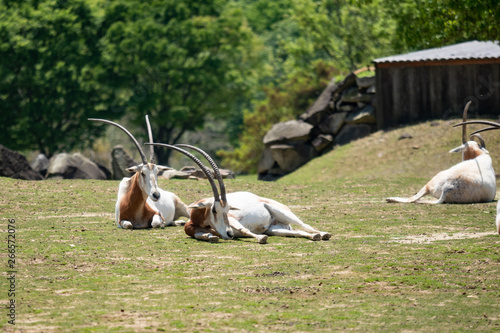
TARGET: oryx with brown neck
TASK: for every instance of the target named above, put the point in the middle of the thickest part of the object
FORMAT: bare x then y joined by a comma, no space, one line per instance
240,214
493,126
470,181
141,203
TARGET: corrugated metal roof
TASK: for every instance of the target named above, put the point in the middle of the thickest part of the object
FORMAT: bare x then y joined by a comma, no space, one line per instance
468,50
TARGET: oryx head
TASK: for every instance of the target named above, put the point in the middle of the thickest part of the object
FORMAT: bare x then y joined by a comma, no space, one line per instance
471,149
215,209
147,172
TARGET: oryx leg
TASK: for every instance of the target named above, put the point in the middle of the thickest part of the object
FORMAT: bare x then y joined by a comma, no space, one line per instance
126,224
241,231
200,233
287,217
280,230
158,221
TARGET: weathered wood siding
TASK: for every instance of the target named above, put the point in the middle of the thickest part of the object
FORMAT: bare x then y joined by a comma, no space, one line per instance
416,92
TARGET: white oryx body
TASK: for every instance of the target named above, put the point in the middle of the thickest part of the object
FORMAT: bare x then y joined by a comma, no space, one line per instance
262,216
470,181
493,126
142,204
240,214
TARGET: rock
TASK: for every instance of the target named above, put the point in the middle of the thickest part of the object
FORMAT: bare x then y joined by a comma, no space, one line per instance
74,166
321,107
353,95
120,161
175,174
40,164
291,156
266,161
352,132
333,123
15,165
322,141
405,136
365,115
365,82
288,131
199,174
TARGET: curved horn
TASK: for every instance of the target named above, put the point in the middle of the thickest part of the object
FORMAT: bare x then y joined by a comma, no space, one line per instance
141,152
464,129
485,129
213,165
151,148
197,161
481,141
481,122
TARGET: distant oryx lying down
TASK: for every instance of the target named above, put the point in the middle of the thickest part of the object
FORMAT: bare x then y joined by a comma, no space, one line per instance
470,181
239,214
493,126
141,203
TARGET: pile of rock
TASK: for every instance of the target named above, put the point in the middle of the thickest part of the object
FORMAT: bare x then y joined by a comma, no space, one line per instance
343,112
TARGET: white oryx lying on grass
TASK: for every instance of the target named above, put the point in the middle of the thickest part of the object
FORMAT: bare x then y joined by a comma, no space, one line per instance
493,126
141,203
239,214
470,181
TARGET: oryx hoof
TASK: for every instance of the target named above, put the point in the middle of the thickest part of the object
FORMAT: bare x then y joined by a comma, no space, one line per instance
262,239
157,222
127,225
179,223
213,239
325,235
316,237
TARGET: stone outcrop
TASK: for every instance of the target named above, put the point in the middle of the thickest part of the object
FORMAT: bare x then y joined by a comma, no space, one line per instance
343,112
15,165
73,166
120,161
190,172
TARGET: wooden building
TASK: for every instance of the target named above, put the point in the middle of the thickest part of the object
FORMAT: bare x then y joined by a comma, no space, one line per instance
437,83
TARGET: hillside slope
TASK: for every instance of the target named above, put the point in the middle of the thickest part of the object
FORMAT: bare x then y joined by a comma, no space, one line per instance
384,155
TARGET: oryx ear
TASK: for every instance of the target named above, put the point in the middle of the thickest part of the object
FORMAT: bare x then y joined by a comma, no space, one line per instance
458,149
233,208
163,168
134,169
200,205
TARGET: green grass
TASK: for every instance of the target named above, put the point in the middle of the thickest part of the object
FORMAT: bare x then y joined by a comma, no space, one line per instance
388,267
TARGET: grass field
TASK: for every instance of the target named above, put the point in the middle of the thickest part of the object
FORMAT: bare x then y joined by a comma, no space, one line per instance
388,267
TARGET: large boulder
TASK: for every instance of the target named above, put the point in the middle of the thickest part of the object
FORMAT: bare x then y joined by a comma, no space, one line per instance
76,166
333,123
40,164
120,161
365,115
351,132
290,157
15,165
288,131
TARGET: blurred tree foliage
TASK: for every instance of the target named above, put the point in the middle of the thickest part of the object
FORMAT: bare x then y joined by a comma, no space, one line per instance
49,75
423,24
178,61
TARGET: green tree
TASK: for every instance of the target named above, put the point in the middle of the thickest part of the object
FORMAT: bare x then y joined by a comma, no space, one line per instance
49,75
178,61
423,24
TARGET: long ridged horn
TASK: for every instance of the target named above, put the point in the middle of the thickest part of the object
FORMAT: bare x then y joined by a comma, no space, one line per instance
151,148
480,122
214,167
141,152
197,161
481,141
464,129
